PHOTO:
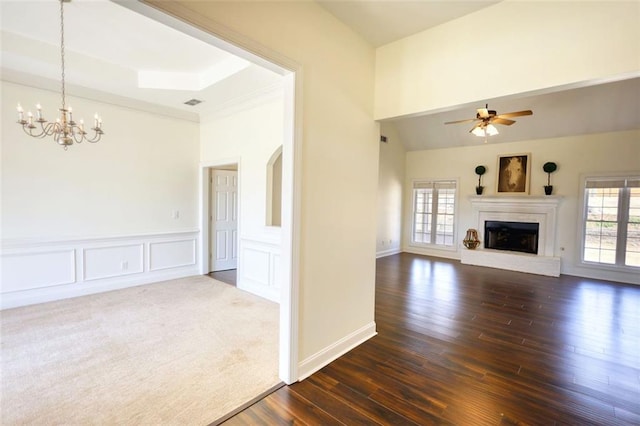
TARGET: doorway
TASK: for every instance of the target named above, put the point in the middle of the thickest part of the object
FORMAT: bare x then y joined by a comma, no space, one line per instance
291,174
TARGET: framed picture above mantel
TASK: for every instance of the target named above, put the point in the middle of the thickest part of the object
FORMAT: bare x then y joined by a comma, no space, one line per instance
514,174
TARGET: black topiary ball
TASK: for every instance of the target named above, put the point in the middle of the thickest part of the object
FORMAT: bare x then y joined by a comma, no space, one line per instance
550,167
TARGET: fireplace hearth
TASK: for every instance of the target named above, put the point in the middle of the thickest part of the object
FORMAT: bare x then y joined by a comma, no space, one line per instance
511,236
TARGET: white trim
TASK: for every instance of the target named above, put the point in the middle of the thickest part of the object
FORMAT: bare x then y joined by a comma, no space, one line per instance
431,251
336,350
388,252
290,227
31,243
22,281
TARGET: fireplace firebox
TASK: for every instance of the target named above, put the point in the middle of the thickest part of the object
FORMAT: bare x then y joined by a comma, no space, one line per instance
511,236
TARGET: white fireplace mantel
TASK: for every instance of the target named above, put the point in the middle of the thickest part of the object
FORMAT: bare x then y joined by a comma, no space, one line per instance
532,209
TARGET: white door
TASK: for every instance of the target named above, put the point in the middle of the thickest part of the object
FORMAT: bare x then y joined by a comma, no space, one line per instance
224,220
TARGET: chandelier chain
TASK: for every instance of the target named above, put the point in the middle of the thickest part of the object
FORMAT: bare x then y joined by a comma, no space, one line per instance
62,52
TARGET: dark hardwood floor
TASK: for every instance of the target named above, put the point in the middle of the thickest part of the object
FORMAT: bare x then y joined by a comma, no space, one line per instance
466,345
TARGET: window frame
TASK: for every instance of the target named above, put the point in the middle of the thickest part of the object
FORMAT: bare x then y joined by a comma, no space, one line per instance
622,221
412,242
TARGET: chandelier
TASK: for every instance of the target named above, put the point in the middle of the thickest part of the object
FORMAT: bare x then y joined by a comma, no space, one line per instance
65,130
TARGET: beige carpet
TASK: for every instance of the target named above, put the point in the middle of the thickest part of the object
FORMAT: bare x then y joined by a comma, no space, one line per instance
184,351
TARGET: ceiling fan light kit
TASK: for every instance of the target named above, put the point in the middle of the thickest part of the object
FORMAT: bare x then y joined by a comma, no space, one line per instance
483,131
486,118
65,130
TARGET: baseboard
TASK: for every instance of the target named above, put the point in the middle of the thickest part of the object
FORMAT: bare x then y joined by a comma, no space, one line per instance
595,273
336,350
445,254
388,252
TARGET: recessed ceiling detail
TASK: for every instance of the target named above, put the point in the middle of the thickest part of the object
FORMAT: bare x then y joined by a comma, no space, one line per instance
144,64
169,80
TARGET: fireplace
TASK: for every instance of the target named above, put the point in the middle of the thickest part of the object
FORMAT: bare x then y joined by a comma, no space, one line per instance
511,236
517,233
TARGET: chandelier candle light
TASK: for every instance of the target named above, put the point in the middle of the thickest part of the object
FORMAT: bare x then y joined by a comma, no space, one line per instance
65,130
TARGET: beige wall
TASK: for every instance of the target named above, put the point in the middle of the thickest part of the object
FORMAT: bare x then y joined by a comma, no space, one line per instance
511,47
575,156
390,184
130,183
250,135
337,252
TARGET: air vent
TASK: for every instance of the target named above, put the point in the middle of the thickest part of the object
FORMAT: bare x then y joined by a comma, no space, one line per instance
193,102
383,139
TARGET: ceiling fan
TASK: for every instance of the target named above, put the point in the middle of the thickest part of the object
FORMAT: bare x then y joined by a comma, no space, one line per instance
486,118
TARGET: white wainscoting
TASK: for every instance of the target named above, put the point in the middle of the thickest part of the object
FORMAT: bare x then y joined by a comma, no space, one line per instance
260,270
42,271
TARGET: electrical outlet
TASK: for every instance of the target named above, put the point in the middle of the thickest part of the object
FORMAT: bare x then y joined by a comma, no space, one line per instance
176,214
124,265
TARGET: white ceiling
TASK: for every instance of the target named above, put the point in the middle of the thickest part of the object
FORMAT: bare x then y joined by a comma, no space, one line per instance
109,46
116,51
599,108
384,21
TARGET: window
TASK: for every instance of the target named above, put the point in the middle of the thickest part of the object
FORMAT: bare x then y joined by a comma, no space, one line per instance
611,226
434,205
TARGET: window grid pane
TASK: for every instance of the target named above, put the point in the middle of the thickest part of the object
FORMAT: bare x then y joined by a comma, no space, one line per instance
422,216
445,217
601,226
632,256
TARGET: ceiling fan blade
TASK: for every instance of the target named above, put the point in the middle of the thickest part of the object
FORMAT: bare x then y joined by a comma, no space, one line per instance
514,114
483,112
461,121
499,120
